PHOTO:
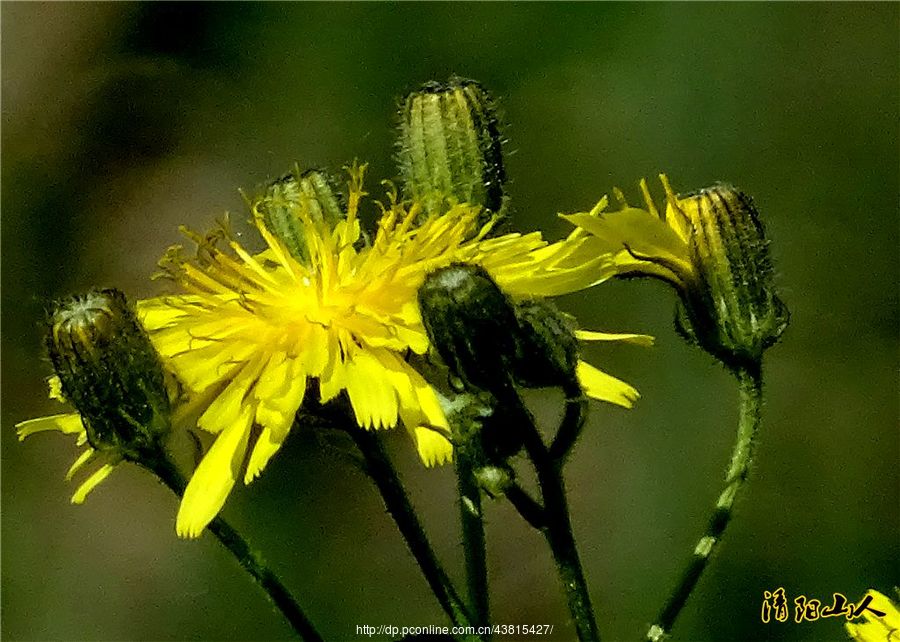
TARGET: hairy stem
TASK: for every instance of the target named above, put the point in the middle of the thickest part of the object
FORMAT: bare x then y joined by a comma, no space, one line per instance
382,472
572,422
472,520
557,524
750,387
528,507
249,559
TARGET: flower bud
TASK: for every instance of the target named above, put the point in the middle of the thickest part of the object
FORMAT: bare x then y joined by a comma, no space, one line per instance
471,324
450,146
110,372
732,309
546,350
292,202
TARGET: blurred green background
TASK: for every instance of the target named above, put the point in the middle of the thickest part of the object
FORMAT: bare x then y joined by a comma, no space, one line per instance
121,121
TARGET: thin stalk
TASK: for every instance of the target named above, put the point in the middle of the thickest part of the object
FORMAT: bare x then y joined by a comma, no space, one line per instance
382,472
558,525
528,507
472,520
249,559
750,388
572,422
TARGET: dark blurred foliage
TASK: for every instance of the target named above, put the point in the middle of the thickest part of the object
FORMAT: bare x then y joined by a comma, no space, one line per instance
121,121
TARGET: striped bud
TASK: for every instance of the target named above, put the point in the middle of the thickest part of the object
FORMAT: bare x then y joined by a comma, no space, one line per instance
292,202
450,146
110,372
732,310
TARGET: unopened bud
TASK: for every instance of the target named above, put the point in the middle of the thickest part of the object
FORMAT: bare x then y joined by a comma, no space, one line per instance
471,324
450,146
547,352
292,202
110,372
732,310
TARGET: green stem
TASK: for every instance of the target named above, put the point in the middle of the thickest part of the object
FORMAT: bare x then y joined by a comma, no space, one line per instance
382,472
750,387
472,520
558,525
572,423
530,510
249,559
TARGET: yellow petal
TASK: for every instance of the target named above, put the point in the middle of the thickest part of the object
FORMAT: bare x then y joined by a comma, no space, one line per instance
266,446
603,387
214,478
226,409
637,339
276,416
68,423
84,458
640,233
434,449
372,396
55,386
91,483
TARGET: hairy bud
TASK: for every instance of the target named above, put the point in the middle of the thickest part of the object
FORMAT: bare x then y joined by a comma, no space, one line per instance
731,308
110,372
450,146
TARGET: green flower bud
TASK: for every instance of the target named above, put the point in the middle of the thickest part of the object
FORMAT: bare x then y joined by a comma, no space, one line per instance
547,352
493,345
110,372
450,146
731,309
471,324
294,201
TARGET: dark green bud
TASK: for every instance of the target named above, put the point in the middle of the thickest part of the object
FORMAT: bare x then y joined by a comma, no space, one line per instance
450,146
471,323
110,372
294,201
494,345
546,351
732,310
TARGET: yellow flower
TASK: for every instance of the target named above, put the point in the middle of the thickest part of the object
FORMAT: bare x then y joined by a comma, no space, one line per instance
249,332
711,247
877,628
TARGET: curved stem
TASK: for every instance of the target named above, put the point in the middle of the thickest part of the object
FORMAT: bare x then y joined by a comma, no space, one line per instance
382,472
472,520
750,387
249,559
572,423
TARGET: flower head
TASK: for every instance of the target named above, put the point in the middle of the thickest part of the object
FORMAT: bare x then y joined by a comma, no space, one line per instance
711,247
881,620
107,368
249,332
